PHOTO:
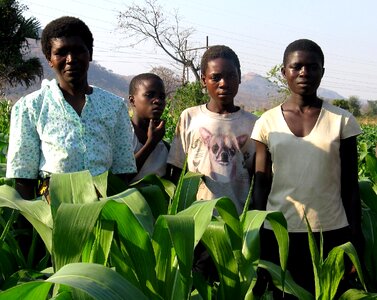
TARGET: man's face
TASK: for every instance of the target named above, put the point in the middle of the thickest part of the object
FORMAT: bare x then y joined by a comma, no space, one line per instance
70,59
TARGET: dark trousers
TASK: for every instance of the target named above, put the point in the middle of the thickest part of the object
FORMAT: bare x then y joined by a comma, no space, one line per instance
299,259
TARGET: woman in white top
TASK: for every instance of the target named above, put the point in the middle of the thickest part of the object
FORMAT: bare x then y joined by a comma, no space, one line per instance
306,161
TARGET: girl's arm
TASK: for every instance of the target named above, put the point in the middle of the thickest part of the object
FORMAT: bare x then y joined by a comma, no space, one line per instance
350,187
262,177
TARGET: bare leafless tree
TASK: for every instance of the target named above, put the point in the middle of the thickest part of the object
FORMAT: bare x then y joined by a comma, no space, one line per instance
169,77
148,22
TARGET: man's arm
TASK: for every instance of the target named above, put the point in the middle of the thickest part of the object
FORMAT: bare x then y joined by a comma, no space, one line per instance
262,177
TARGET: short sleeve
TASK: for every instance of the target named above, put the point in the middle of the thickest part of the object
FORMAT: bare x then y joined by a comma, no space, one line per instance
123,154
259,131
177,153
24,143
350,127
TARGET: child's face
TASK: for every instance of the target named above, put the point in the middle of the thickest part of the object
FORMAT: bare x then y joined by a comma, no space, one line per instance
149,99
221,80
70,60
304,72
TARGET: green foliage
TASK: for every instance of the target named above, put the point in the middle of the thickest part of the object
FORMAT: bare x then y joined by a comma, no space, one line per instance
372,108
191,94
366,143
276,77
342,103
148,255
5,109
354,106
15,31
368,194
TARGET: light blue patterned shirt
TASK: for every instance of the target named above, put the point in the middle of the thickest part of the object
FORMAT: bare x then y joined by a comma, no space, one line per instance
48,136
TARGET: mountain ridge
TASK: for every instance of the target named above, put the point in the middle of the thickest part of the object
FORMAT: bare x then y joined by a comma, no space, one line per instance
255,91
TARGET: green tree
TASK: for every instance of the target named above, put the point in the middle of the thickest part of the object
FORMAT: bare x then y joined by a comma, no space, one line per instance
372,108
15,34
276,77
341,103
354,106
191,94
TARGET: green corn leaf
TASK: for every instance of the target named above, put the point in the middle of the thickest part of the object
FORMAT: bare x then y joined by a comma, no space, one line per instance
228,212
37,212
156,198
179,230
136,240
189,189
74,223
251,243
369,228
100,183
35,290
173,205
8,262
371,163
98,281
354,294
201,211
97,248
316,259
368,195
138,206
75,187
279,226
122,263
350,250
331,273
22,276
218,245
169,187
289,284
165,257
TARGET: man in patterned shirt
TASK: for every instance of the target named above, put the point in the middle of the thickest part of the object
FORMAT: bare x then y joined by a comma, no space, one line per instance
68,125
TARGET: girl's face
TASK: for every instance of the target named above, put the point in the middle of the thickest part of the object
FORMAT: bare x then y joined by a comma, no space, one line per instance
303,72
221,80
149,99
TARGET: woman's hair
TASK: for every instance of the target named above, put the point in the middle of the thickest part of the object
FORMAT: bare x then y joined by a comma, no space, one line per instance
65,27
219,51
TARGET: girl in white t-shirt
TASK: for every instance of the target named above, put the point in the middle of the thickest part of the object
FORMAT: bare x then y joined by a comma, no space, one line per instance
306,161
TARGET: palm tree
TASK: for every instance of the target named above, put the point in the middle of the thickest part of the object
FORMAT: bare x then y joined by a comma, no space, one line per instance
15,34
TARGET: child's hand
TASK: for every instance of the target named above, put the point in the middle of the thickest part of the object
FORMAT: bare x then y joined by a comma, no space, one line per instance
156,131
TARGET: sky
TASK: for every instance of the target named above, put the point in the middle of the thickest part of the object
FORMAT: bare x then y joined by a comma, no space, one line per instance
257,30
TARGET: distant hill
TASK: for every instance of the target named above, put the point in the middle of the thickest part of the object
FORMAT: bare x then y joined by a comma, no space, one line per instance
255,91
98,76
